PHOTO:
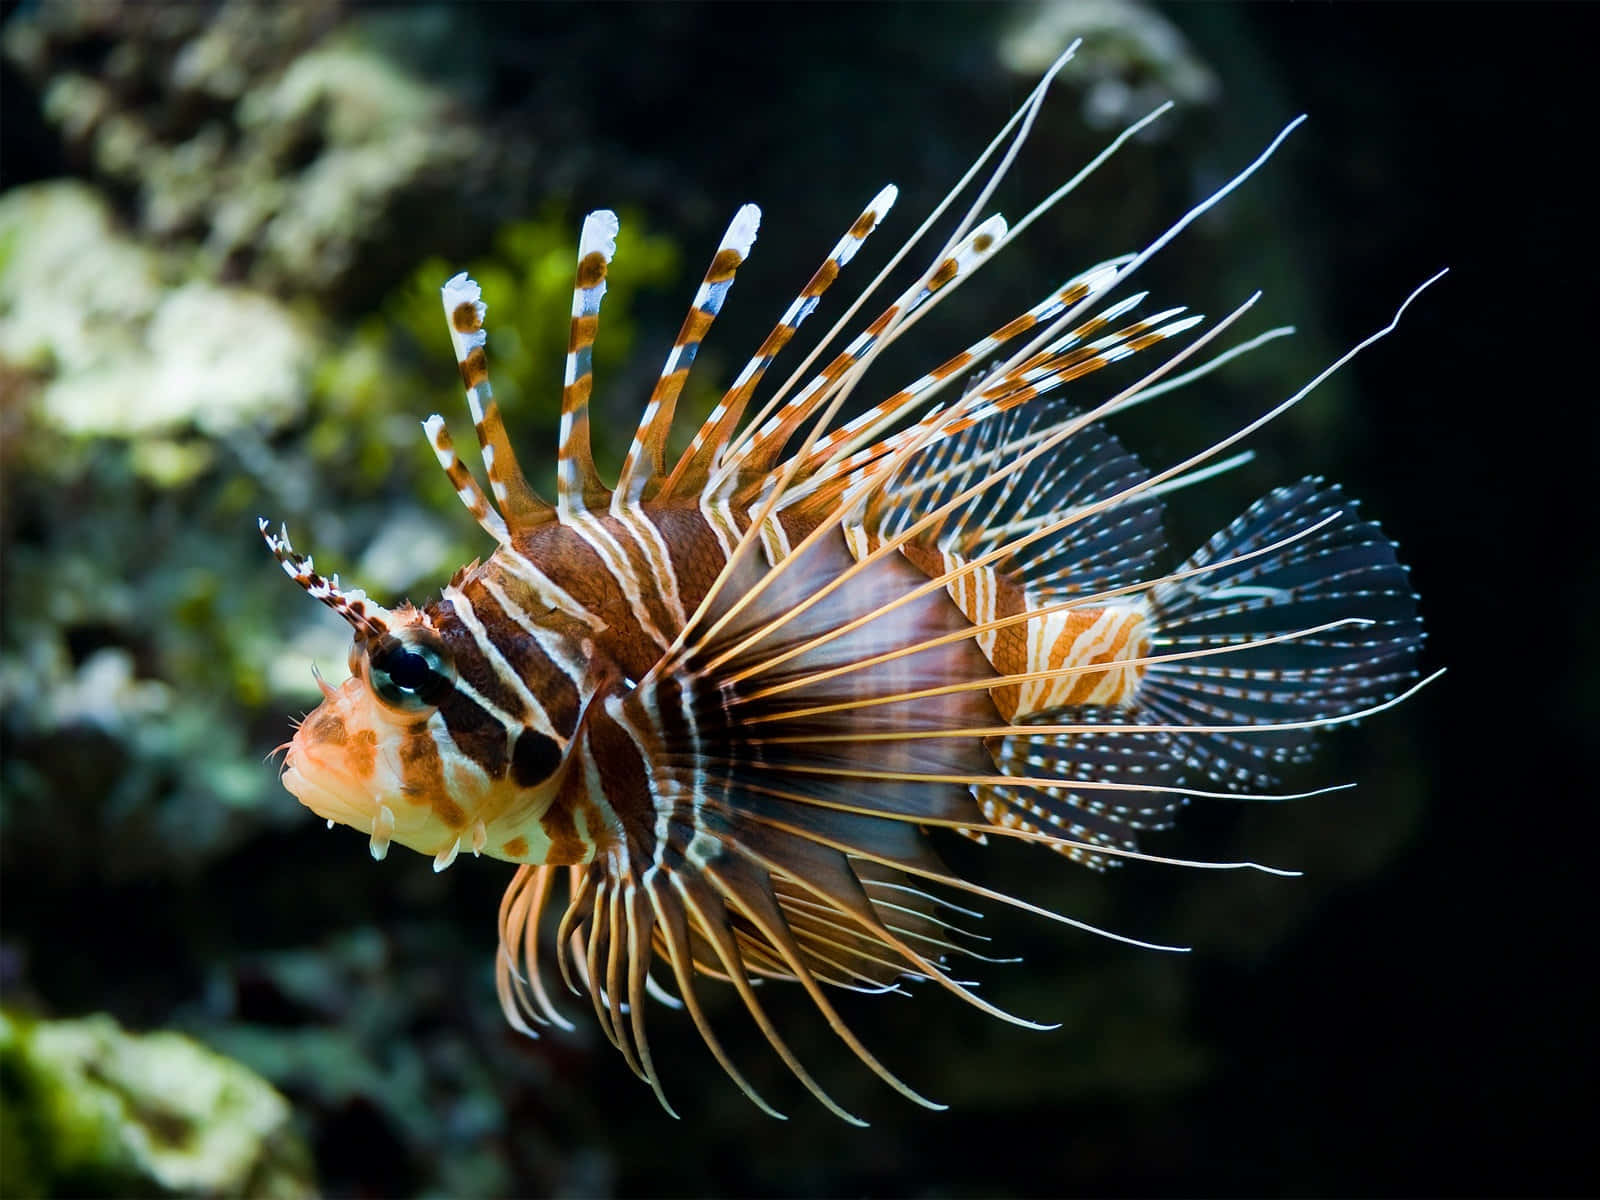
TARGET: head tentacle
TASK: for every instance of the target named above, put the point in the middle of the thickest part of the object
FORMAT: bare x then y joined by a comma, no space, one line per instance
367,617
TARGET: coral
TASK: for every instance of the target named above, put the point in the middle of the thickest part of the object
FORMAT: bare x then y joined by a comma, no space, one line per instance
1131,60
270,135
91,1109
130,351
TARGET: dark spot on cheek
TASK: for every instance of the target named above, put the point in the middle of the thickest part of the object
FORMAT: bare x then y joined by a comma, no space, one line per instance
516,847
534,758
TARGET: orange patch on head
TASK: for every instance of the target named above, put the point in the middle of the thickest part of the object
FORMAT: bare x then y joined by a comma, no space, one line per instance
516,847
422,767
362,755
448,811
465,318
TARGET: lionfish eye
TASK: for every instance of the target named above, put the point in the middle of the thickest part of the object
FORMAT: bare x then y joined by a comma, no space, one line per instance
410,670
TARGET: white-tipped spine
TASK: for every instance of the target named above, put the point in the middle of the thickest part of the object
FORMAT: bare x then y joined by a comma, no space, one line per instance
742,231
461,289
599,234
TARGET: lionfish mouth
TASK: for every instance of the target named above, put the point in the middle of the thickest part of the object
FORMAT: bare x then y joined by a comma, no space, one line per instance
326,793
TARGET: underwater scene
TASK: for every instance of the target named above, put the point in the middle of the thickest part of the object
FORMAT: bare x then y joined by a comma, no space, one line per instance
225,233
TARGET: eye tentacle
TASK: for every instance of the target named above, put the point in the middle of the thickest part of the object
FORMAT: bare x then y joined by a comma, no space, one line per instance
367,617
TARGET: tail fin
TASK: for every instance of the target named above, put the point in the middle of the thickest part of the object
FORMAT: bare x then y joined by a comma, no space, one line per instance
1345,569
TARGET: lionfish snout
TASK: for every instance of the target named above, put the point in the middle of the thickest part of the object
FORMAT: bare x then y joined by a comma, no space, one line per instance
334,768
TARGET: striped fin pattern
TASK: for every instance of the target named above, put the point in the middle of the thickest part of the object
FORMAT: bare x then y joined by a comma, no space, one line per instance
1086,819
1003,391
877,420
1347,567
369,619
578,483
646,461
694,468
464,310
772,436
467,489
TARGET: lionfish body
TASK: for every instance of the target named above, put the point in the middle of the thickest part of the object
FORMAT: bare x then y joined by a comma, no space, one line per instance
726,699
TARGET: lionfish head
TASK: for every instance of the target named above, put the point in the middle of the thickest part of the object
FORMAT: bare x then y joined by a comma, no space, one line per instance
388,752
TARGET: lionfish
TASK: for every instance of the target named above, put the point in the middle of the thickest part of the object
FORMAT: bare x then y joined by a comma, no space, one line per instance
729,697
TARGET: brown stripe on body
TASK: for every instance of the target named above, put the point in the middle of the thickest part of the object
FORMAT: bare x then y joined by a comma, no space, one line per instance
624,783
1074,638
573,565
1007,648
579,821
1080,638
692,548
560,823
642,571
472,664
478,735
422,775
542,675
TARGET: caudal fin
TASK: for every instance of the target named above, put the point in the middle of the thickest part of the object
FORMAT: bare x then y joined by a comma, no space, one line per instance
1343,569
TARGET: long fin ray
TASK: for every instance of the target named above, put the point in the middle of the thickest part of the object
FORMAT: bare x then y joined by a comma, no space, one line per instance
578,484
645,466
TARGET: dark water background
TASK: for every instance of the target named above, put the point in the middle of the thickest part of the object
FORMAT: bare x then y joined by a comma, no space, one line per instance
1413,1017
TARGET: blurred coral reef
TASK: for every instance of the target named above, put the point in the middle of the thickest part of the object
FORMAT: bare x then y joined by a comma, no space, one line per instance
94,1110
